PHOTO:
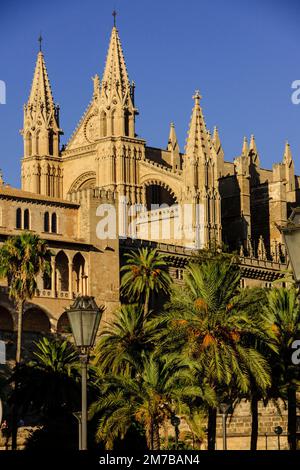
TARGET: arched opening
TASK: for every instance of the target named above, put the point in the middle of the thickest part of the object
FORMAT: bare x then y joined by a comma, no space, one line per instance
158,195
28,145
54,223
126,122
19,218
38,142
62,272
50,143
36,320
6,321
79,277
103,124
46,222
63,324
26,219
113,122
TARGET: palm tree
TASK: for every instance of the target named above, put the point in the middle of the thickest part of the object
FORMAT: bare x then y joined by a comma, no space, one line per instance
144,272
48,382
205,322
149,398
253,300
282,313
124,341
22,258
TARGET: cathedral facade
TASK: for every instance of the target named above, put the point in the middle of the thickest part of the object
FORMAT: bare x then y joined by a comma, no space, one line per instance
67,192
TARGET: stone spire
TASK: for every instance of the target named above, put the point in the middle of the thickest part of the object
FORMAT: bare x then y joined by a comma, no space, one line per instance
115,77
245,148
197,143
261,249
41,116
41,165
173,147
287,156
253,151
40,99
117,108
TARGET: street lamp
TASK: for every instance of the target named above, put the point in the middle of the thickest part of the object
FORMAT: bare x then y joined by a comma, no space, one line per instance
291,236
278,431
224,410
84,317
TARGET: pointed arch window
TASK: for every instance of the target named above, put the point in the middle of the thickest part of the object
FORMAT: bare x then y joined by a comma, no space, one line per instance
46,222
19,218
103,124
50,143
126,122
28,144
26,219
54,223
113,122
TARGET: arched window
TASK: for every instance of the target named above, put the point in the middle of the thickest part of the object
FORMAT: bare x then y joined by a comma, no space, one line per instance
19,218
50,143
38,141
46,222
103,124
28,145
54,223
126,122
62,272
26,219
113,122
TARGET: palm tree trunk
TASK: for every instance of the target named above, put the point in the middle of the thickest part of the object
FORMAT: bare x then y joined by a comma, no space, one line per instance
14,417
212,426
292,417
146,304
254,424
149,434
156,438
19,331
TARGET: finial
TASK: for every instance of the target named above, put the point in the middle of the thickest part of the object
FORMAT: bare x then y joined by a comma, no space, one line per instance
114,14
197,97
40,40
1,178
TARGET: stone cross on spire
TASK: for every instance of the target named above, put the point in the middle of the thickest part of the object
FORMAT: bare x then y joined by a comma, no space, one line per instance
197,97
114,14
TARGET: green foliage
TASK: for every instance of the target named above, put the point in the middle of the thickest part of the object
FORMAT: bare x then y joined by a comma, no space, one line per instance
49,383
22,258
144,272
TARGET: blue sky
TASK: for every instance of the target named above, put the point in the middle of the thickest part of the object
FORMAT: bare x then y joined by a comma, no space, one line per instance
242,55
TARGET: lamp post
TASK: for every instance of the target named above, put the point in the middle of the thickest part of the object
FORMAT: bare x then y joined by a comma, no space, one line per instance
84,317
291,237
224,410
175,421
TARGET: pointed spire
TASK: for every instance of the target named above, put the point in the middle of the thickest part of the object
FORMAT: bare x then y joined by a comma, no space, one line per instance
216,139
287,156
172,142
173,147
40,98
115,76
261,249
197,143
245,148
252,144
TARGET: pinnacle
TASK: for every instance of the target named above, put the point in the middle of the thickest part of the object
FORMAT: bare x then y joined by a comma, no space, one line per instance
41,94
115,76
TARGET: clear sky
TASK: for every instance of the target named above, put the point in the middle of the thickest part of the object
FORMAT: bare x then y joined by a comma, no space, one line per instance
243,55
